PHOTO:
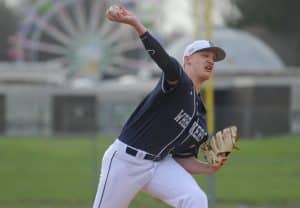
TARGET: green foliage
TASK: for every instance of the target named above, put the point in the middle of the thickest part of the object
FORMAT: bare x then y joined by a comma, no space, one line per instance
63,173
276,15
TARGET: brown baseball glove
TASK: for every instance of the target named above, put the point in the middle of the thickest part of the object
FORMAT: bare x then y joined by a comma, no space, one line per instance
220,145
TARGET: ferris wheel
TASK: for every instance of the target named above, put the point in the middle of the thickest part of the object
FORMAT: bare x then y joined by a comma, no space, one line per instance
76,34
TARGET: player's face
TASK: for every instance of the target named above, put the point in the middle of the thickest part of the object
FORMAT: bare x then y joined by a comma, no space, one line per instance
203,63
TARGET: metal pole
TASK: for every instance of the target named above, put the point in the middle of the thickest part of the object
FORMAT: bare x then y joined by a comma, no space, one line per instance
209,89
209,99
197,17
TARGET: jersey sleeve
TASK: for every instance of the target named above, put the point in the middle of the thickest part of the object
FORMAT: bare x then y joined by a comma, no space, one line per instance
192,151
169,65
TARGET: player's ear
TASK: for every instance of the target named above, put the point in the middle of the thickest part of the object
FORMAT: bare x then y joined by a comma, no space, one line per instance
187,60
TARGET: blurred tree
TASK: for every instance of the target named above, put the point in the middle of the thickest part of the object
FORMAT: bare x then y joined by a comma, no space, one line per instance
276,15
8,24
274,21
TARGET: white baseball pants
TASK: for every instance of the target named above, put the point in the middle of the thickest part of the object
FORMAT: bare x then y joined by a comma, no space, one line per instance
123,176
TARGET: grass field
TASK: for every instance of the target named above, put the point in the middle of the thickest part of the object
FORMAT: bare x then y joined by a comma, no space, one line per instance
62,173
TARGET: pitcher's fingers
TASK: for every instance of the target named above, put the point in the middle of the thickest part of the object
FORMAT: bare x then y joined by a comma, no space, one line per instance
122,8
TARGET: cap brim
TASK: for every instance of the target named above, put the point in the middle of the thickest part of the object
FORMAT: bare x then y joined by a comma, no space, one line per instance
220,53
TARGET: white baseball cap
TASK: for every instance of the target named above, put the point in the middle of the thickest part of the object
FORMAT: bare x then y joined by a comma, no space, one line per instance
204,45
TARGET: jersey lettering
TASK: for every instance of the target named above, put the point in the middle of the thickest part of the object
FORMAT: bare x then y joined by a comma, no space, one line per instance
197,131
183,119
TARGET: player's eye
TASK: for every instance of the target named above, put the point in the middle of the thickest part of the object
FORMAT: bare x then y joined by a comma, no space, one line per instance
209,55
206,55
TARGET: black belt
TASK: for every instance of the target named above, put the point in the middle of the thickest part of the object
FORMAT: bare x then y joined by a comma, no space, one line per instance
134,152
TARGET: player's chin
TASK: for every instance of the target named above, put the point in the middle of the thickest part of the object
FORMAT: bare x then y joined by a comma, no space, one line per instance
207,75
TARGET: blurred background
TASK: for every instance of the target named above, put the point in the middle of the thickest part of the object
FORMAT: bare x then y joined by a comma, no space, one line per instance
69,79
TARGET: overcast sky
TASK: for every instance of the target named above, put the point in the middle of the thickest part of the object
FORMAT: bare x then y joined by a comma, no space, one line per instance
11,2
178,13
220,6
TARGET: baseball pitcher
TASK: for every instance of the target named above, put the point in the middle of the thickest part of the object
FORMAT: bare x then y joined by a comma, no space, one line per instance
157,149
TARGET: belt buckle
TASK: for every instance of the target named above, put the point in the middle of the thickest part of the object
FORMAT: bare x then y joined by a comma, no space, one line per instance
140,155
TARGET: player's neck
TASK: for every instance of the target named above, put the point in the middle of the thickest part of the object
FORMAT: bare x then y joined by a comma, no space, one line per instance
197,82
197,85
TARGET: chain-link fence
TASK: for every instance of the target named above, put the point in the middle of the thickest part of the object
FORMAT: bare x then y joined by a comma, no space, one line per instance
43,111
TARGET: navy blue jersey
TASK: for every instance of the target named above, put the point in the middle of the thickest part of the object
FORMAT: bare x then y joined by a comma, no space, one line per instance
171,118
